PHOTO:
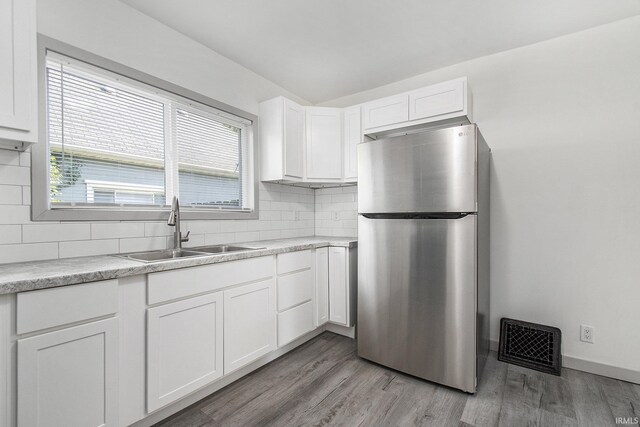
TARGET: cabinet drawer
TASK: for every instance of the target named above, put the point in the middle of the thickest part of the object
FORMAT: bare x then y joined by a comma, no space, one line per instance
294,289
174,284
437,100
294,261
49,308
294,323
386,111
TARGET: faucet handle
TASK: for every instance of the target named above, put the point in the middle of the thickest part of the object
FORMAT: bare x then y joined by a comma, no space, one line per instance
186,237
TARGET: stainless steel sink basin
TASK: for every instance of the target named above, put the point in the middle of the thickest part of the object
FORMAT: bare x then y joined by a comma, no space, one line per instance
171,254
218,249
164,255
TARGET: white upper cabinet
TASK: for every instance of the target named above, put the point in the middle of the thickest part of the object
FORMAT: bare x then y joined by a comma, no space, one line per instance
351,136
449,100
317,145
438,100
18,74
385,111
324,144
282,137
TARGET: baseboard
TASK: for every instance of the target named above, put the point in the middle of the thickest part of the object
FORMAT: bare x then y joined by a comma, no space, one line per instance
592,367
347,331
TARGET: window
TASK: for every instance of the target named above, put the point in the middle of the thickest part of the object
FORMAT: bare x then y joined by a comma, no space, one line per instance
118,146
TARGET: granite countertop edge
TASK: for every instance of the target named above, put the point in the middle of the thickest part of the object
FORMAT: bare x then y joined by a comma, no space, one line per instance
35,275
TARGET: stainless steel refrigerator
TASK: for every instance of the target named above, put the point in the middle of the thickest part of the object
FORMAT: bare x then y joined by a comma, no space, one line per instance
423,254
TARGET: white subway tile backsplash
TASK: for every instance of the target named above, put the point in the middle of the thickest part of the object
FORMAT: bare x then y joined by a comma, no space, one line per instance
140,244
14,175
26,195
10,234
15,214
117,230
28,252
219,238
247,236
8,157
88,247
284,211
10,195
35,233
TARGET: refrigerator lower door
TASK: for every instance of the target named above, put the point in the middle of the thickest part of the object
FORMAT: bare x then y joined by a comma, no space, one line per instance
417,297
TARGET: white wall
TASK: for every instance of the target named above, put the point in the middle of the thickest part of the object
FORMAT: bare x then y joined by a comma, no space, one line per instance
563,120
111,29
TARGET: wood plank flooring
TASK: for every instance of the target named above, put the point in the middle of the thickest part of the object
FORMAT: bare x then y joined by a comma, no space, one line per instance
324,383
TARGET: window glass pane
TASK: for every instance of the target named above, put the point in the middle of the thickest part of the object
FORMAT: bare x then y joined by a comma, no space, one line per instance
106,143
209,160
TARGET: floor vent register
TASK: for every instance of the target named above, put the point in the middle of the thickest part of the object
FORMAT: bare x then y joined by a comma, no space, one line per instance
530,345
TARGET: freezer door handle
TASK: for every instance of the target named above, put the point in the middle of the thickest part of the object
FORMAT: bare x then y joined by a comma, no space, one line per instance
415,215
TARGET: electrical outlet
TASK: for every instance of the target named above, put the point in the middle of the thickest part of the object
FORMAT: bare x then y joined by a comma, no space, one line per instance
336,216
586,333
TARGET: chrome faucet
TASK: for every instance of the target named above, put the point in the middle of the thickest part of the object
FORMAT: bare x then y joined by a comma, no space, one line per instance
174,221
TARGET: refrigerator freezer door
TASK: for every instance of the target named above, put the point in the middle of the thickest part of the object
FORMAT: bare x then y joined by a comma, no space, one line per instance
422,172
417,297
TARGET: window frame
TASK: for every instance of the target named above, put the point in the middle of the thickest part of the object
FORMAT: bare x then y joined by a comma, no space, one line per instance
41,209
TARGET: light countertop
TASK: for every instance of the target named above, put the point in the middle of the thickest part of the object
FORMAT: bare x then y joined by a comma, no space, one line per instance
28,276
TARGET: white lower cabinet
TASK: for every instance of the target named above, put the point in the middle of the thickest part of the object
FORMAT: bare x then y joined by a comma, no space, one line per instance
69,377
249,323
295,322
322,286
185,348
341,284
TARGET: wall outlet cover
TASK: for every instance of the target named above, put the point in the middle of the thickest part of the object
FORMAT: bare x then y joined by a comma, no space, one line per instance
586,333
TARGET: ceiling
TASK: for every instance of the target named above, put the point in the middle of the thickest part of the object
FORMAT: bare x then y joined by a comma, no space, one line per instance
325,49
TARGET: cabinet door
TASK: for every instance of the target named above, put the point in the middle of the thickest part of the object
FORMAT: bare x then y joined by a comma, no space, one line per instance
293,139
437,100
18,70
338,286
249,323
322,286
324,143
386,111
69,377
352,135
184,350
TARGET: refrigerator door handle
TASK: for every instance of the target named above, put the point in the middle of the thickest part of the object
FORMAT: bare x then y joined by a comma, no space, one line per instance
431,215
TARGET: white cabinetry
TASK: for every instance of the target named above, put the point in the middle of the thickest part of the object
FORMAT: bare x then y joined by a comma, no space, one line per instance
295,295
324,144
385,111
446,103
282,138
69,377
322,286
18,69
438,100
342,284
249,323
351,136
184,350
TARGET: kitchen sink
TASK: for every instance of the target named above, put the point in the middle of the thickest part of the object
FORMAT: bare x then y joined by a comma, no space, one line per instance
164,255
218,249
171,254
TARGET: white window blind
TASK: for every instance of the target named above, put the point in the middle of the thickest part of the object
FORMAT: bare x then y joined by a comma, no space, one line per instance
115,142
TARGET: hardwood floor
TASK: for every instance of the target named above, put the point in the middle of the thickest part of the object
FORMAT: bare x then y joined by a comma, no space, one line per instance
324,383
